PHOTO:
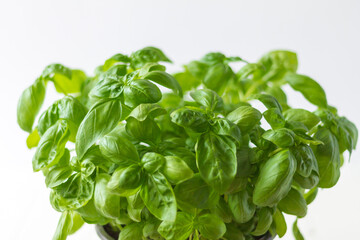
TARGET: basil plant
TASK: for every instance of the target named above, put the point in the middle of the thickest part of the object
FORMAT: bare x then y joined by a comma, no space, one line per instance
153,155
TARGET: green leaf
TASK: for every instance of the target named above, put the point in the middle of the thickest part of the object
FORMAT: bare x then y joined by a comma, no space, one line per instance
241,206
106,202
233,232
126,181
135,207
29,105
281,137
178,230
311,195
59,173
347,134
195,193
107,87
222,126
159,197
222,210
208,99
133,231
117,58
164,79
72,194
308,118
280,223
275,178
328,158
144,131
67,108
216,160
152,162
268,100
33,139
275,118
146,110
210,226
294,204
176,170
264,223
306,160
311,90
99,121
277,63
147,55
190,118
118,149
186,80
141,91
245,117
296,231
64,226
216,76
51,146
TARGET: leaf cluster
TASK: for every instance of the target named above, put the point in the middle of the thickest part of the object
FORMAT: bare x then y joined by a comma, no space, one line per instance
195,162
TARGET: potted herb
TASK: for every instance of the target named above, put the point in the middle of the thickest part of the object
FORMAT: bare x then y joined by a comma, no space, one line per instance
196,162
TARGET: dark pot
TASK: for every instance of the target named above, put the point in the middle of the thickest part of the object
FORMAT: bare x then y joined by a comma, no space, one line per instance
105,233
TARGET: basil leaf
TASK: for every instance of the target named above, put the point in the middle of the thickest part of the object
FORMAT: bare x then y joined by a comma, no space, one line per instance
328,158
222,126
216,160
277,63
311,195
164,79
144,131
309,119
126,181
268,100
241,206
64,226
296,231
90,215
245,117
176,170
264,223
141,91
118,149
72,194
51,146
29,105
106,202
59,173
33,139
109,86
152,162
159,197
117,58
233,232
275,118
208,99
135,207
133,231
216,75
280,223
99,121
210,226
186,80
191,118
195,193
67,108
348,135
146,110
309,88
181,229
147,55
281,137
294,204
274,180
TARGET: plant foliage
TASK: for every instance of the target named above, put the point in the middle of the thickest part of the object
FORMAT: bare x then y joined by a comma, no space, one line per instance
195,162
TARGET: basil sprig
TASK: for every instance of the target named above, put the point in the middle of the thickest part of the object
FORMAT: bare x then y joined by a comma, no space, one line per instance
184,156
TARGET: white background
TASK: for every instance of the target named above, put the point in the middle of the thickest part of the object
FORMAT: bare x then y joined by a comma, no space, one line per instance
82,34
